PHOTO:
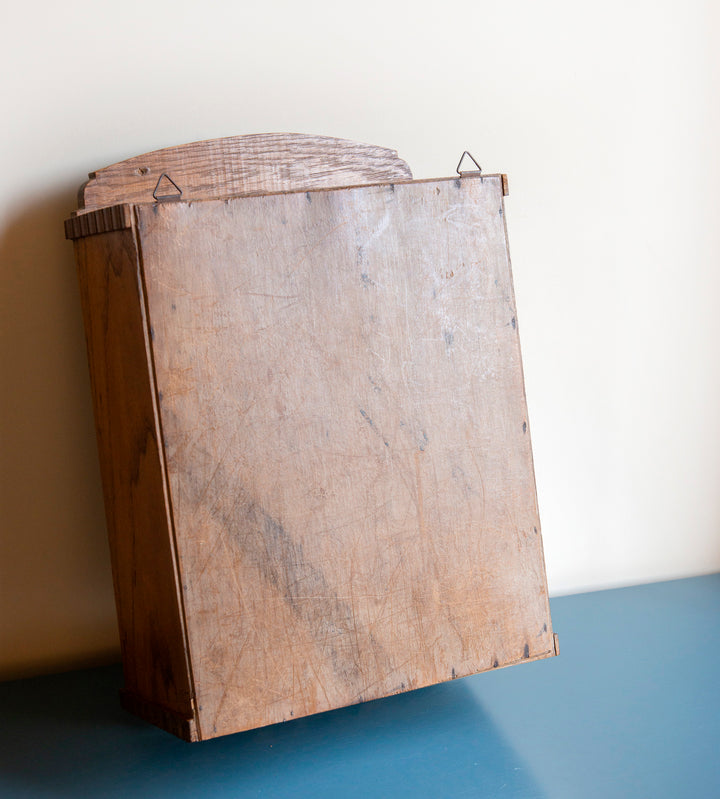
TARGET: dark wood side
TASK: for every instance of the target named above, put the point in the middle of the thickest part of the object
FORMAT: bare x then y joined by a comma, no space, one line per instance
176,723
138,518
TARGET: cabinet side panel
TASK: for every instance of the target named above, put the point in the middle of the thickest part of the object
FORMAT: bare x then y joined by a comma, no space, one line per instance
139,528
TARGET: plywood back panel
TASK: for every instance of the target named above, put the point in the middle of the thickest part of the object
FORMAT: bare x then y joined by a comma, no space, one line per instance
348,453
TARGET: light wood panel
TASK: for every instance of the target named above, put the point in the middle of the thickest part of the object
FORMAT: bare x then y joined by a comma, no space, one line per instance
239,165
347,444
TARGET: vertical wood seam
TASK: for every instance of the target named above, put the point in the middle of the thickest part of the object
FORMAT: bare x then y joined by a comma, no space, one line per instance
145,312
503,194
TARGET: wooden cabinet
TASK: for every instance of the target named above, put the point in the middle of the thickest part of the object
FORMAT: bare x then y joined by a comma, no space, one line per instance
312,429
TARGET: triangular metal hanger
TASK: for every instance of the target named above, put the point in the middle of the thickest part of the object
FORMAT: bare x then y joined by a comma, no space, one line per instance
173,195
467,171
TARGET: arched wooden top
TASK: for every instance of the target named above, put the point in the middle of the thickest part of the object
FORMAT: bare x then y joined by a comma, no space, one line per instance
243,165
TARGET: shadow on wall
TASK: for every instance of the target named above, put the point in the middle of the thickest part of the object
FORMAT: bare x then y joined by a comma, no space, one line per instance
56,602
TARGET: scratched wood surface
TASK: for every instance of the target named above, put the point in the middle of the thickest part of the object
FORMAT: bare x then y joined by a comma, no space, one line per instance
347,446
239,165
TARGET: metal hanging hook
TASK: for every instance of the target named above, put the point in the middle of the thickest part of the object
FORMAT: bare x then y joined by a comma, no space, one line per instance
165,197
470,171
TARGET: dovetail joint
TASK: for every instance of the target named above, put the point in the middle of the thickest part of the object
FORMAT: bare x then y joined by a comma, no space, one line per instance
104,220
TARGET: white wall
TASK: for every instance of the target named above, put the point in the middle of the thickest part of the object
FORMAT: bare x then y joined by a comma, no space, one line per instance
606,118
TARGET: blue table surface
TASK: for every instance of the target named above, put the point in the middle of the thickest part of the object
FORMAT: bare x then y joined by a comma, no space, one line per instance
630,708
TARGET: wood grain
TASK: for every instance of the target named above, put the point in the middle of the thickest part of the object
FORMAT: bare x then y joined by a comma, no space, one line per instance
241,165
348,455
139,524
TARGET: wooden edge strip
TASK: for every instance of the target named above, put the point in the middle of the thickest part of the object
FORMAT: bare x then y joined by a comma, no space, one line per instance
505,187
119,217
548,653
103,220
160,716
151,361
556,643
